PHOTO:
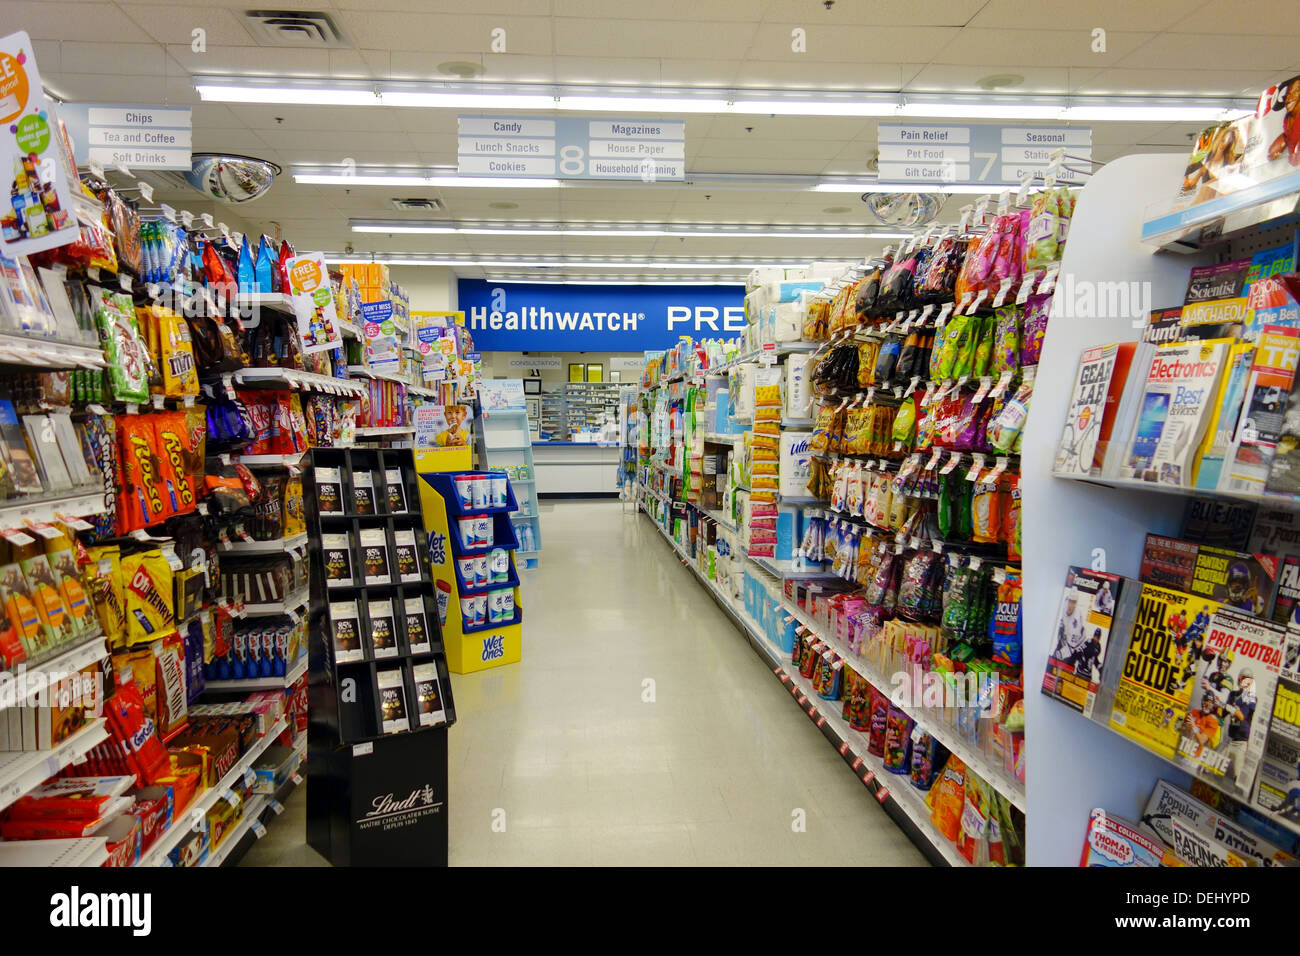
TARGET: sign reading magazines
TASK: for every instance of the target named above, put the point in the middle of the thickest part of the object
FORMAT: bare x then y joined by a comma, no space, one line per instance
571,147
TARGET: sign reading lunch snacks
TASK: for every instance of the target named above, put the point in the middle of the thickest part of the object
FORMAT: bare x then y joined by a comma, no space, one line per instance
571,147
976,153
528,317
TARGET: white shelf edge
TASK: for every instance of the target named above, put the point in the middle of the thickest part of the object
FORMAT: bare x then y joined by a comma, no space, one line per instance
21,772
87,651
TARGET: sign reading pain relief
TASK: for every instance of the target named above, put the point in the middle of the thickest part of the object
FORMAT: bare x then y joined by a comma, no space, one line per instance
526,317
977,153
571,147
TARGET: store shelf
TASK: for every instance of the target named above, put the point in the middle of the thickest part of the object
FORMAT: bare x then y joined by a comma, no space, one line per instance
421,390
207,799
348,330
1268,499
294,601
43,509
942,731
292,378
276,301
24,771
785,570
801,500
253,808
31,350
721,519
385,431
494,448
89,851
259,547
261,683
1187,229
261,809
717,438
905,804
269,461
797,423
87,651
366,372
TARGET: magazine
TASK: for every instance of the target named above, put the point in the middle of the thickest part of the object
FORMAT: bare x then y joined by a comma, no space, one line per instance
1277,789
1114,841
1165,643
1083,626
1259,424
1221,423
1168,803
1286,603
1219,523
1241,581
1163,328
1171,419
1216,303
1091,416
1222,740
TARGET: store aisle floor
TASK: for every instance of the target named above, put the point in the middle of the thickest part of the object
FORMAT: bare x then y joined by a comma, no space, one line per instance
640,728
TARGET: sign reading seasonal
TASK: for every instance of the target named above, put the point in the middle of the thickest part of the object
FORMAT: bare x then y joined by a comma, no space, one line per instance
313,303
38,213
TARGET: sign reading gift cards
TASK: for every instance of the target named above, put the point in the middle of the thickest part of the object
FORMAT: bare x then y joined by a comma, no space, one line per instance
526,317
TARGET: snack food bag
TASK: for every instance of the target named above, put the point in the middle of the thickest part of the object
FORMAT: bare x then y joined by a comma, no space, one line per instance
128,360
135,732
947,798
148,597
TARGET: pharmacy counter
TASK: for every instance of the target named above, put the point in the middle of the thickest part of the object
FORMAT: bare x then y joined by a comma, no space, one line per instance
576,469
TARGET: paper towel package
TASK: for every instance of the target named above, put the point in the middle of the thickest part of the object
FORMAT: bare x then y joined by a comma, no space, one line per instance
788,321
787,520
795,467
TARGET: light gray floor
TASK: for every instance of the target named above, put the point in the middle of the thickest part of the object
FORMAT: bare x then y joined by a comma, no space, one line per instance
563,748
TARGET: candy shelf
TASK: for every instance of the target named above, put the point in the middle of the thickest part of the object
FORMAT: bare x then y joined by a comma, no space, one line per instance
786,571
292,378
252,816
294,601
81,852
268,461
261,810
46,508
274,544
385,431
207,799
26,350
366,371
24,771
288,679
67,661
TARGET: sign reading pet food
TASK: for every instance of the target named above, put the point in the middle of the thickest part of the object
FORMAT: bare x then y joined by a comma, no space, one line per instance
977,154
313,303
38,214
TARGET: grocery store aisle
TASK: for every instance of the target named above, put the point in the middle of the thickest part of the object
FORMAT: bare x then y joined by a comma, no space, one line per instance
640,728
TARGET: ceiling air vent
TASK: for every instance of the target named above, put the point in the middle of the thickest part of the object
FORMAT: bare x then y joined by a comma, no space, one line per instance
301,28
421,205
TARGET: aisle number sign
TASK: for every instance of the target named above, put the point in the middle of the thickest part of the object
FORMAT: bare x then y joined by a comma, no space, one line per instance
976,153
571,147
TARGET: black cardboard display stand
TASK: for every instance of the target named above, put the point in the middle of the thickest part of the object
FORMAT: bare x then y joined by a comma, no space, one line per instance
373,798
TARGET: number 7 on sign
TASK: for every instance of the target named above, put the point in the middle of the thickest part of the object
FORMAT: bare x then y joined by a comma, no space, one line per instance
989,160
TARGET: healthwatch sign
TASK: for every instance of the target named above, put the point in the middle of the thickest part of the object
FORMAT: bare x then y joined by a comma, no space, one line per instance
523,317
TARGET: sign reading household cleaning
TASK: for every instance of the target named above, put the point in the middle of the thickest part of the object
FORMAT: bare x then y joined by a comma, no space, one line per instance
139,137
526,317
979,154
571,147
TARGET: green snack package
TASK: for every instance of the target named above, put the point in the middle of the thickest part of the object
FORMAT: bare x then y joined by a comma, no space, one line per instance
936,350
984,346
967,343
943,513
953,338
128,364
905,422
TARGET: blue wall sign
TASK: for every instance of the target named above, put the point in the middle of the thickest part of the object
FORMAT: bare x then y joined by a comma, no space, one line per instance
525,317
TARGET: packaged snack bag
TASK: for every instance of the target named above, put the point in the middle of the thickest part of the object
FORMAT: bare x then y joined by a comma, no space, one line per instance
898,741
1004,625
972,840
44,591
21,610
986,516
879,718
68,581
180,376
148,499
1033,328
148,597
947,798
1006,341
135,732
177,458
128,361
928,756
1006,428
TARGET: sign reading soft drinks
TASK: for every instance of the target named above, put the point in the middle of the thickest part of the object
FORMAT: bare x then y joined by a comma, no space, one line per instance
524,317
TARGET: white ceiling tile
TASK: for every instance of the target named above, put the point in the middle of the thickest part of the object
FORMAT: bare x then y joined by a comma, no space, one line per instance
682,11
650,38
1109,15
349,64
379,29
1191,82
116,59
499,8
1176,51
1253,16
817,74
751,165
1004,51
943,78
342,121
723,147
101,88
48,56
851,44
883,13
418,65
253,60
72,21
837,128
166,25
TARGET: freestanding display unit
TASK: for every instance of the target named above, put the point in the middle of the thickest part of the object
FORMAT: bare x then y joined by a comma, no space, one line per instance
458,566
379,693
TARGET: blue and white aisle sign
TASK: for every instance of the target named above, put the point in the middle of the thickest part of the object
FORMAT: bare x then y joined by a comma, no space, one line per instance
528,317
571,147
137,137
976,153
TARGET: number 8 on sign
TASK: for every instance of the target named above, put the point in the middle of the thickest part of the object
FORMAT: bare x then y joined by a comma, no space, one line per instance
573,161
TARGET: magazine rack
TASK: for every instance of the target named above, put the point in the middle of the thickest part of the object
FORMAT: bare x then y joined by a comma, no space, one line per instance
470,647
376,797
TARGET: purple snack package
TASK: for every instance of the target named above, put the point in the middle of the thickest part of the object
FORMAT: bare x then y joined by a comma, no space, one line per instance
1034,328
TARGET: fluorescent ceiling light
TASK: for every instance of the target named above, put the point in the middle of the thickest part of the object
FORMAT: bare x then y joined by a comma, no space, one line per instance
631,230
872,186
684,100
627,265
401,179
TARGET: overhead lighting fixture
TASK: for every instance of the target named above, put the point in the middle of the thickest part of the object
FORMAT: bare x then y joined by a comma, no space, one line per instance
345,177
616,230
678,100
740,266
873,186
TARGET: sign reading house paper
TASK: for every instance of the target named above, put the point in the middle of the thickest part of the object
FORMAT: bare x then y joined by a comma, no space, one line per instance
571,147
528,317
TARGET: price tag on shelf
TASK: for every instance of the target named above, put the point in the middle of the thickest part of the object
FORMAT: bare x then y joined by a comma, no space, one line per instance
146,191
965,302
224,536
986,383
882,794
1004,202
945,310
976,562
73,522
1049,279
225,230
187,219
1004,287
276,807
966,212
168,212
979,299
868,777
1022,194
952,464
20,538
259,828
296,778
1027,287
999,575
250,777
1000,388
935,455
44,530
996,471
911,386
926,313
207,219
936,545
976,469
95,168
124,282
856,764
156,401
981,207
363,750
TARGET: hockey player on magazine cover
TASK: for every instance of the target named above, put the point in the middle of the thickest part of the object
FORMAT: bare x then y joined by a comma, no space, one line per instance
1221,739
